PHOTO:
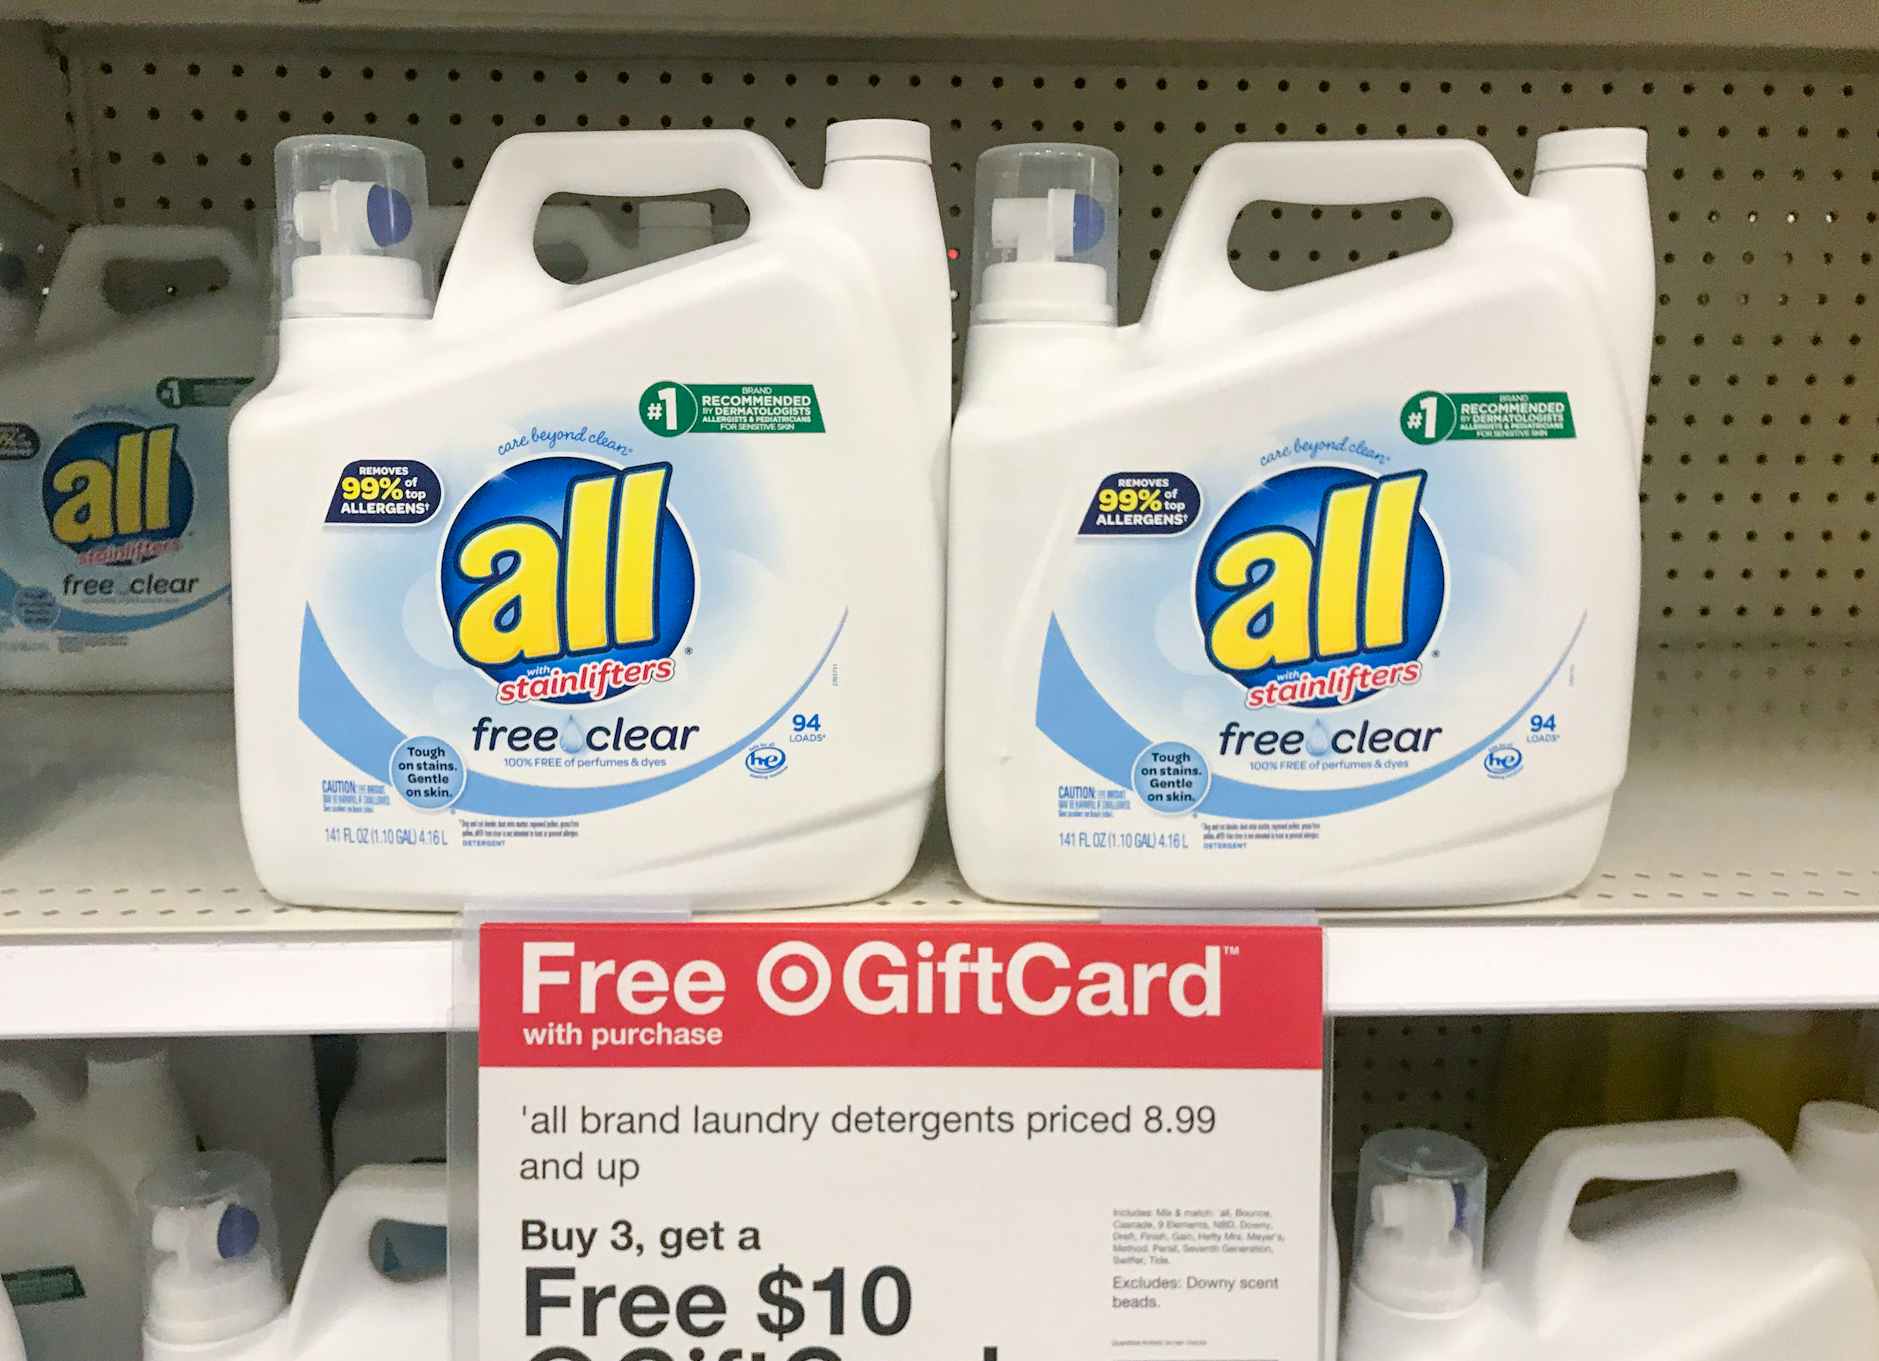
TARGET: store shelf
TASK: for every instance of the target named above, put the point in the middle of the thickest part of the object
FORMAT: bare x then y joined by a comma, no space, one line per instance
1742,870
1527,24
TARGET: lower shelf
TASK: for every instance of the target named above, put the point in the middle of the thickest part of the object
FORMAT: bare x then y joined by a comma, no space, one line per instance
1741,870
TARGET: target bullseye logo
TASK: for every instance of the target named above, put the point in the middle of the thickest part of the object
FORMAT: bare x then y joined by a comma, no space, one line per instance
794,978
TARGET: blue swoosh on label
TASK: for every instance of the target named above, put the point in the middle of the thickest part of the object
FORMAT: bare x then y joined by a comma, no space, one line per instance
1073,714
335,712
87,621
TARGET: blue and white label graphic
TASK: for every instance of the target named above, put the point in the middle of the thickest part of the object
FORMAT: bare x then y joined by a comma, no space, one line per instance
116,492
580,631
1321,586
569,580
1334,637
427,773
116,523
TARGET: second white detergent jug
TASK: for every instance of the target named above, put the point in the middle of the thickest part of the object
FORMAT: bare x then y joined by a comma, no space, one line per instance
1319,596
1730,1258
626,587
114,571
68,1184
213,1288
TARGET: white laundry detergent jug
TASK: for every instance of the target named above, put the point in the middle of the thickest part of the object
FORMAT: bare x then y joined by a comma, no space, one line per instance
214,1290
68,1178
1313,596
1732,1258
628,587
114,471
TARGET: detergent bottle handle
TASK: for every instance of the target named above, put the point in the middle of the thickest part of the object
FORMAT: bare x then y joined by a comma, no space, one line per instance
1195,270
494,275
338,1273
76,305
55,1096
1531,1247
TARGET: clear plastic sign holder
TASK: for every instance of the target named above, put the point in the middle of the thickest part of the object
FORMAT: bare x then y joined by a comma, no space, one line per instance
1313,1285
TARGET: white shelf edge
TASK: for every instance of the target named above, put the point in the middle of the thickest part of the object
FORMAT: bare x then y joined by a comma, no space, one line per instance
208,985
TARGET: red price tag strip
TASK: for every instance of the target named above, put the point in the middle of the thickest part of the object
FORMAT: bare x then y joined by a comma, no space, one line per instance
788,1142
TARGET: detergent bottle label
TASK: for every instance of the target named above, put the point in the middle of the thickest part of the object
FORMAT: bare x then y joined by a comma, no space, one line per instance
1312,622
562,620
116,516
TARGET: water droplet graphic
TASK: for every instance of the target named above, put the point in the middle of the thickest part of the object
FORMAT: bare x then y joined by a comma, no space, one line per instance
1318,740
573,740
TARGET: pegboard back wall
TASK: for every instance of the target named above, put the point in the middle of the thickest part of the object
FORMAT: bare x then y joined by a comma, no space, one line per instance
1762,479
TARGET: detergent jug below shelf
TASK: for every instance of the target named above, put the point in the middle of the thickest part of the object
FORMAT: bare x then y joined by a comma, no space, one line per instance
68,1178
1321,596
114,571
1732,1257
213,1285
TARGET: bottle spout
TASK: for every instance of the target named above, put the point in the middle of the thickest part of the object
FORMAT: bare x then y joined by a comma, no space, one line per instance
1597,175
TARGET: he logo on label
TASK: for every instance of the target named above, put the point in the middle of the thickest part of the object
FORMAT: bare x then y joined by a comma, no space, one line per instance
1503,761
765,760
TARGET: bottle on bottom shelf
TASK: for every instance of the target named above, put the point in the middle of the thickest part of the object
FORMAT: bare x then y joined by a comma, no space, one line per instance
1691,1267
68,1175
214,1289
258,1094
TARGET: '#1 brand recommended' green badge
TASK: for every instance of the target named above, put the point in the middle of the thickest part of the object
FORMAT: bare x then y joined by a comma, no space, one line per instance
670,409
1431,417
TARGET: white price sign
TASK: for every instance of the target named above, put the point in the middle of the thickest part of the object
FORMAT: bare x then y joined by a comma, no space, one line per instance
756,1142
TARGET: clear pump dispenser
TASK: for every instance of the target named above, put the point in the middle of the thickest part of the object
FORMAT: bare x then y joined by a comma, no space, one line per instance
345,241
212,1256
1045,238
1421,1219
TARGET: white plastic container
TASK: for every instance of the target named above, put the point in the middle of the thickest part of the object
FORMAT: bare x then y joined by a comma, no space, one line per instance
114,472
738,702
214,1289
1697,1270
1836,1149
257,1094
68,1178
1312,597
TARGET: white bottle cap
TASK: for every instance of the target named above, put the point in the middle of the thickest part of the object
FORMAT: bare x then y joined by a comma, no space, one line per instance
1421,1216
1045,238
1838,1141
879,139
212,1259
346,242
1591,149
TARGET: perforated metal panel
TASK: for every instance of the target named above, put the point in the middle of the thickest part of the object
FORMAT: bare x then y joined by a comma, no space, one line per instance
1763,453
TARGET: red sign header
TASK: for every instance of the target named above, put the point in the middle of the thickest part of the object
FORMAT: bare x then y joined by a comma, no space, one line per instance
789,994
